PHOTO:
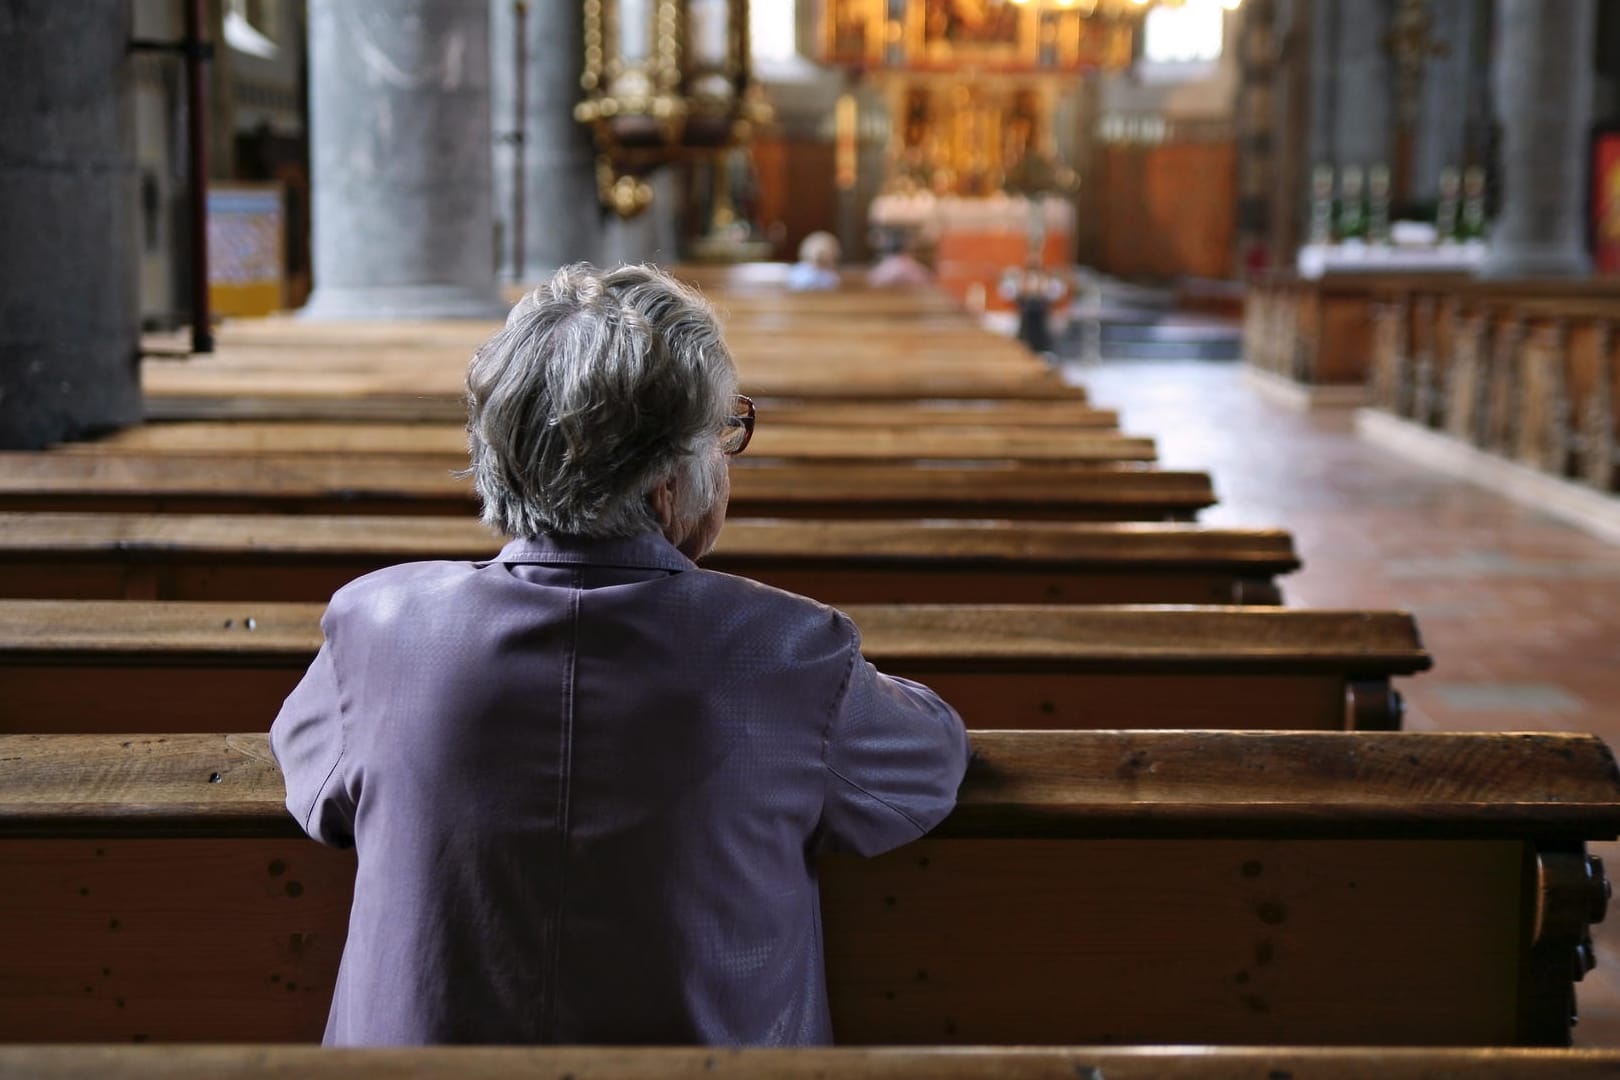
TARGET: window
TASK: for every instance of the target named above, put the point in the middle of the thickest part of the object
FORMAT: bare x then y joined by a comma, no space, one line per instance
1190,34
772,37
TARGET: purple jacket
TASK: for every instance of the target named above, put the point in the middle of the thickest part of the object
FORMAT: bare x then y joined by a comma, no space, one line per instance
587,782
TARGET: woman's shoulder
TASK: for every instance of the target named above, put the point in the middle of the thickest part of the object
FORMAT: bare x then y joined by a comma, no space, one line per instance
397,587
748,599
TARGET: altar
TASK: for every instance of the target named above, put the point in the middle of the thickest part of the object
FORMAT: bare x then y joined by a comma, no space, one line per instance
970,95
976,241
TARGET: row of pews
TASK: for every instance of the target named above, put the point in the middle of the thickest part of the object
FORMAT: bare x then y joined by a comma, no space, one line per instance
1528,371
1191,819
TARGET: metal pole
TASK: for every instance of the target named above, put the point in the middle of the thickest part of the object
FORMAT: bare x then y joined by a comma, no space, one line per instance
196,53
520,12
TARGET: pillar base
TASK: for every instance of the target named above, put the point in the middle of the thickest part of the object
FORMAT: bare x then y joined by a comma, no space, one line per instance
352,303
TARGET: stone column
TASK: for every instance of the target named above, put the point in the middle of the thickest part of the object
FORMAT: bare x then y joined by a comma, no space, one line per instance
652,236
1543,91
69,234
562,221
400,160
1364,113
1441,139
1322,125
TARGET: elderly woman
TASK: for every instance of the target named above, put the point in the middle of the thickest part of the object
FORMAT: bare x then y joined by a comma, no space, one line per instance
817,268
587,781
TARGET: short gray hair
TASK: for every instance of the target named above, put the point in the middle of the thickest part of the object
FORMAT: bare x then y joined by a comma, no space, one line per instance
600,386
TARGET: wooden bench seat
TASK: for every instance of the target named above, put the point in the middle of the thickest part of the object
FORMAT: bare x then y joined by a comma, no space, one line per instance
409,409
264,557
445,445
305,483
866,379
270,1062
84,665
1091,887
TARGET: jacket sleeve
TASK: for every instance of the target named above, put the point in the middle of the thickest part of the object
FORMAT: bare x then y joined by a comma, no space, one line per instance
308,740
895,755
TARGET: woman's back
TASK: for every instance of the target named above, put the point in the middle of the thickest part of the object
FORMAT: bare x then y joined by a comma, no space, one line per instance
586,782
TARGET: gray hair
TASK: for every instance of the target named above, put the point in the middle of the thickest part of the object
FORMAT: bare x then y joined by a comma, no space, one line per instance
601,385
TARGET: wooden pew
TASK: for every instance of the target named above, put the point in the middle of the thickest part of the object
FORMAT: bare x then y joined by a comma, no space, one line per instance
86,665
364,484
406,409
1559,401
1527,370
270,1062
264,557
445,445
1091,887
266,372
1318,332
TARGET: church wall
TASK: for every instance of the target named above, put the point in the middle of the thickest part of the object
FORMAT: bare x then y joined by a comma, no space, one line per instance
794,156
1169,209
1166,167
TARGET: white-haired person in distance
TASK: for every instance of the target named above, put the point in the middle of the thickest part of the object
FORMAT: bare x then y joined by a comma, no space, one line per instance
817,267
587,782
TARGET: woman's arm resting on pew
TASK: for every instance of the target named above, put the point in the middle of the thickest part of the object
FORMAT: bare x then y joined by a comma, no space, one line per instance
308,741
895,754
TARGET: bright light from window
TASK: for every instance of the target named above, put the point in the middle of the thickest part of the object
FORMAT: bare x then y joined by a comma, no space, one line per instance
1188,34
771,37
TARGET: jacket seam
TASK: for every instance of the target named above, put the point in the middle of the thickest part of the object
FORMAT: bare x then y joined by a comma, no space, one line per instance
832,716
564,789
880,800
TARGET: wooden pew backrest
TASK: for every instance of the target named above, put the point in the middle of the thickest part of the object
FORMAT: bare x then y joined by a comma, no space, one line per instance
1090,887
605,1063
251,557
140,666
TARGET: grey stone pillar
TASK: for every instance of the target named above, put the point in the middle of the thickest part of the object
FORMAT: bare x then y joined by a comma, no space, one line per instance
69,236
1543,92
400,159
1324,88
1443,118
1364,114
561,220
652,236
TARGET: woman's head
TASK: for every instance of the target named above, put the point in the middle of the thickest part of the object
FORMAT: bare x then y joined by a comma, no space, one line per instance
598,409
820,249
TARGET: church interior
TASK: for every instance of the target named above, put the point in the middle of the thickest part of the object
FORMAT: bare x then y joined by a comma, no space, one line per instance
1215,401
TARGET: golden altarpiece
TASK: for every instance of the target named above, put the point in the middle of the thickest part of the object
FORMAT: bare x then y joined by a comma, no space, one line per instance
972,92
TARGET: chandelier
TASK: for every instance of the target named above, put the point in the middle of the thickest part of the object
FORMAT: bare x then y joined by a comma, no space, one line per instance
664,81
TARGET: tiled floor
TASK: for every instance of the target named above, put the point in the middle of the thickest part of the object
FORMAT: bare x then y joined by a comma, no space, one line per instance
1521,611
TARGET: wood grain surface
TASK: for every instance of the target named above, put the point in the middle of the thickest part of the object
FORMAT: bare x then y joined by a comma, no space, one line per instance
261,1062
250,557
449,441
68,631
1021,784
405,538
304,483
407,409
